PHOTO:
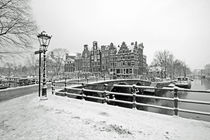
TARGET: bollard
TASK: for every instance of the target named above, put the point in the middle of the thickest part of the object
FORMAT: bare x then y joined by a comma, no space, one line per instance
134,97
176,101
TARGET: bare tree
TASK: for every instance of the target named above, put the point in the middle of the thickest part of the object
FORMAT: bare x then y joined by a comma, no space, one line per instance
162,59
172,67
17,28
180,68
207,69
9,67
32,63
56,61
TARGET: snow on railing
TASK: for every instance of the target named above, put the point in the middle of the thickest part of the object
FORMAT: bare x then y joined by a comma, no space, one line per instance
104,97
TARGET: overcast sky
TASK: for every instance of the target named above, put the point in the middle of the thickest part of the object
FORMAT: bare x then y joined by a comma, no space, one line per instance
179,26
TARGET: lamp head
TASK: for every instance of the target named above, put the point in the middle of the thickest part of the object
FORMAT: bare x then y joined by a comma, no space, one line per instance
44,39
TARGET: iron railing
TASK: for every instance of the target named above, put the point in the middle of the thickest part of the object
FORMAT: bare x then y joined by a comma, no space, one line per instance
104,97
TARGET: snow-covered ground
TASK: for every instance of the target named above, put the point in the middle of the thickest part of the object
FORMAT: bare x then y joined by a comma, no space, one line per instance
62,118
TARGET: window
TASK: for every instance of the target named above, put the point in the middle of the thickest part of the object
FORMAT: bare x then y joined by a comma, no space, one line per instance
130,70
118,70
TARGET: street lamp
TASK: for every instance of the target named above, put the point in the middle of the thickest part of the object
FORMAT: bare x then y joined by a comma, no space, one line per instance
39,52
44,40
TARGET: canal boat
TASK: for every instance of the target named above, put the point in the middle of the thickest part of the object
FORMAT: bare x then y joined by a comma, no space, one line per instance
3,86
3,83
183,82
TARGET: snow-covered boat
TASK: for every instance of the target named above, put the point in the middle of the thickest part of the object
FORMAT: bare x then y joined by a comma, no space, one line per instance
183,82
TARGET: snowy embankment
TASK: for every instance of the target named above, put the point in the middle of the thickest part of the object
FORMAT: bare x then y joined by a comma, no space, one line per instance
61,118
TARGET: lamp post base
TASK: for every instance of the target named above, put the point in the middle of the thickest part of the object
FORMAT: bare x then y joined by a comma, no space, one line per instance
44,93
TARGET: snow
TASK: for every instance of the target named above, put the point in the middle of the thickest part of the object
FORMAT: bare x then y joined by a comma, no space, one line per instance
63,118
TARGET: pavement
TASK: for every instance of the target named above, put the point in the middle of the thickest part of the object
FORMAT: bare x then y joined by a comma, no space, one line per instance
62,118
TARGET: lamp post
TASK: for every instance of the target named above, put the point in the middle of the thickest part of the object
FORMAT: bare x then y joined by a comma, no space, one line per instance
39,52
44,40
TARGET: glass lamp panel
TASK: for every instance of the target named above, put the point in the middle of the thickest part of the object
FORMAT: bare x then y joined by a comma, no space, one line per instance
44,40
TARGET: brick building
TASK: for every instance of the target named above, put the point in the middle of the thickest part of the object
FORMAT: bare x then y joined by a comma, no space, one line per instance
127,64
126,61
105,59
95,59
86,59
78,62
112,59
145,66
69,64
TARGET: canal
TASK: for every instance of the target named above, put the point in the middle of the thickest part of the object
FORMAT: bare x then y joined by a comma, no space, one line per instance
199,84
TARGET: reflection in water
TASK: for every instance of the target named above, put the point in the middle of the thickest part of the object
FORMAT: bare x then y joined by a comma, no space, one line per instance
198,84
205,83
161,103
165,103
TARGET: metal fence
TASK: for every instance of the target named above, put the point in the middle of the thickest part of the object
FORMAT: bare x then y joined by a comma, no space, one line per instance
104,97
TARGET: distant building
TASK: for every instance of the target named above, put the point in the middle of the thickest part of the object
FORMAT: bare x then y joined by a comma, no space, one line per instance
86,60
105,59
69,66
112,59
138,50
78,62
127,62
145,66
95,59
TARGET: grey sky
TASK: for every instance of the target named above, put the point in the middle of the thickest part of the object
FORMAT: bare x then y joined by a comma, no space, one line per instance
180,26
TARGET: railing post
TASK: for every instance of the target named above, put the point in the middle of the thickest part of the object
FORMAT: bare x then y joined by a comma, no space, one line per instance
82,92
134,97
176,101
53,87
65,84
105,96
113,97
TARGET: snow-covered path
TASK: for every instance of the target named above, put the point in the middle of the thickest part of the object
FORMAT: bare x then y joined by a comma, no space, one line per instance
62,118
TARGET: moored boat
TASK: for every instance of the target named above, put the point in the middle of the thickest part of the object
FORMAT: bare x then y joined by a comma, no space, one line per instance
183,82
